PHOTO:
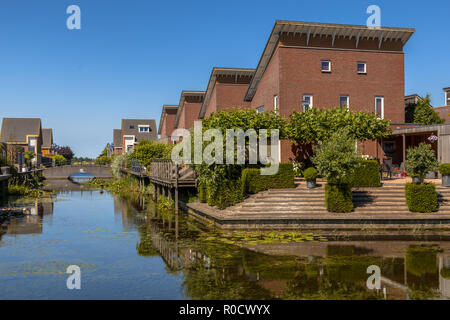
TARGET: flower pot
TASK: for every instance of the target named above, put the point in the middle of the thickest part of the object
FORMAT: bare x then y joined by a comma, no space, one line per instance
431,175
446,181
5,170
310,184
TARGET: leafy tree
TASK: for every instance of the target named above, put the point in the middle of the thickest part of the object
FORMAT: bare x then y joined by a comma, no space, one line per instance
316,125
146,151
59,159
104,159
336,157
421,159
64,151
424,113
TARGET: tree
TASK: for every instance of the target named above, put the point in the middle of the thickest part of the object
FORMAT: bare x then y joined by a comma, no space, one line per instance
421,159
424,113
316,125
146,151
336,157
64,151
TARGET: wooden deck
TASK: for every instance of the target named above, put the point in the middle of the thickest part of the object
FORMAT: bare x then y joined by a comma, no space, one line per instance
167,173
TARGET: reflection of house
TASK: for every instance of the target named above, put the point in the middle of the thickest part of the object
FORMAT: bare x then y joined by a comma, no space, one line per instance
167,124
47,141
133,131
25,133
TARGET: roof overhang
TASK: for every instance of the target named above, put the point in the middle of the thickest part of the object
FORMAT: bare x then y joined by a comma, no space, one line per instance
163,115
319,29
184,94
216,72
420,129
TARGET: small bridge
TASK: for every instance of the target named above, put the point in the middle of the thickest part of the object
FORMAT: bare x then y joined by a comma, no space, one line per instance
64,172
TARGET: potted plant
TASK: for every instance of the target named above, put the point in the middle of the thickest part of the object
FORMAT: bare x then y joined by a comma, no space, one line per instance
444,169
310,176
420,160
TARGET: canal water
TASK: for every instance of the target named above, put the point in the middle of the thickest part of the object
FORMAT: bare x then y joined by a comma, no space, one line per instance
128,249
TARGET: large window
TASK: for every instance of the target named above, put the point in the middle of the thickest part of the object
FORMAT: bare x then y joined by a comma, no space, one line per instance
379,107
344,101
307,102
326,66
32,144
447,100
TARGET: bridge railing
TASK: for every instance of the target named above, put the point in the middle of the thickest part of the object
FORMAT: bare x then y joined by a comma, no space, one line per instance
164,170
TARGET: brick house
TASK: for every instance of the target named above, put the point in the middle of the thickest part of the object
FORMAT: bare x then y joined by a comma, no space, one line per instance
307,65
226,90
23,134
444,111
188,109
167,124
133,131
47,141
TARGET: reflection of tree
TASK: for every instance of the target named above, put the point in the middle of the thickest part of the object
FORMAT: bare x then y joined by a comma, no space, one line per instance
145,247
423,273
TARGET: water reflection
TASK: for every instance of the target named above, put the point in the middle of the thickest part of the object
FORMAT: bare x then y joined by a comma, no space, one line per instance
156,254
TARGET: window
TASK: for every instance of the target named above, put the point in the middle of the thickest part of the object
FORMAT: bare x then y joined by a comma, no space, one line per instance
131,126
447,98
379,107
260,109
144,128
326,66
361,67
344,101
32,144
307,102
275,102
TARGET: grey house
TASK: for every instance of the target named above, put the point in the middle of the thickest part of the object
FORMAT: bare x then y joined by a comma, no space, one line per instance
135,130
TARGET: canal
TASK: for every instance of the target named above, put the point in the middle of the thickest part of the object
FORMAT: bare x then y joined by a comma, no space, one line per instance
127,252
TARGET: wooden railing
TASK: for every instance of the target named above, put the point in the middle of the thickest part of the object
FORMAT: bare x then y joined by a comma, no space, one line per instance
163,170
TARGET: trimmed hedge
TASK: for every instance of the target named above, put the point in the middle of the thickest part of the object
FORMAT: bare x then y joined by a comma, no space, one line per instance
338,197
421,197
253,182
444,169
202,194
310,174
366,175
228,194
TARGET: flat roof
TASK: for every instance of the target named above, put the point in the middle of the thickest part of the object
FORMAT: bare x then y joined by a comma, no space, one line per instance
312,29
184,94
164,110
220,71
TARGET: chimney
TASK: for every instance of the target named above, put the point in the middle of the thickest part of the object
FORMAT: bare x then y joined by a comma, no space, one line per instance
447,96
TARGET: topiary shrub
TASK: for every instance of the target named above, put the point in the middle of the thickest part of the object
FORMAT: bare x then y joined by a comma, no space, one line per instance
253,182
444,169
366,175
310,174
338,198
421,197
228,194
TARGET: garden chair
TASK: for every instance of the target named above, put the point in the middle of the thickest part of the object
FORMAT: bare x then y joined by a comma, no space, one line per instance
387,167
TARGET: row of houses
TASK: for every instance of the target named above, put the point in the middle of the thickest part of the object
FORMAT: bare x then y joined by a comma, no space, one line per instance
21,135
306,65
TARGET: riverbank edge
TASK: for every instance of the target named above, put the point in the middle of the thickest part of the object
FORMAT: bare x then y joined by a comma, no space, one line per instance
331,221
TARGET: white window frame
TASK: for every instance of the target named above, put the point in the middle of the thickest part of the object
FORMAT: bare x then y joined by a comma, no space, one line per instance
143,126
382,106
329,66
275,103
133,138
310,96
348,100
447,98
365,67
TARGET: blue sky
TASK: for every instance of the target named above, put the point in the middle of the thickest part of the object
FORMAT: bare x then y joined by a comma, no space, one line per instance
131,57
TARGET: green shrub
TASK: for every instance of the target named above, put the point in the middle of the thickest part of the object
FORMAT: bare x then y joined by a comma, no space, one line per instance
421,197
310,174
421,260
366,175
444,169
202,193
227,194
338,198
253,182
103,160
